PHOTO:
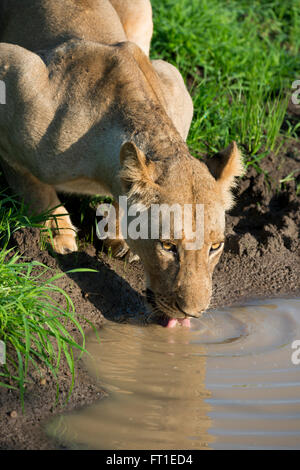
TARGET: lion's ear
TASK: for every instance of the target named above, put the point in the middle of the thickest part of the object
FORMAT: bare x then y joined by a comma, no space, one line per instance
225,167
137,175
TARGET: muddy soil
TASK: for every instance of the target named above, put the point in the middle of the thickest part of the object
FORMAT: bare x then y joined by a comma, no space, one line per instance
261,259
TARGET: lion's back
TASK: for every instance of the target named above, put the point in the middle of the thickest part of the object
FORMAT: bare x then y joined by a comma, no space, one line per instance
52,22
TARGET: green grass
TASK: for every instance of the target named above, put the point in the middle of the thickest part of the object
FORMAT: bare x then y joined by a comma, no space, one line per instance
14,216
33,325
239,59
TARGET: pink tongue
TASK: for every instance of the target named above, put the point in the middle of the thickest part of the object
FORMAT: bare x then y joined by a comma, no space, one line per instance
183,322
171,323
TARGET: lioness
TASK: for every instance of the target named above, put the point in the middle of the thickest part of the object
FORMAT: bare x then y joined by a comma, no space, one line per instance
87,112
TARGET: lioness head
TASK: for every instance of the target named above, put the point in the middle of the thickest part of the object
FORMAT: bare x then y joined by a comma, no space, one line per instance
179,278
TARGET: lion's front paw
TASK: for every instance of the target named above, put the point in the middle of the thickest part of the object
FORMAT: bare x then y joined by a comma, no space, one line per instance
64,244
118,248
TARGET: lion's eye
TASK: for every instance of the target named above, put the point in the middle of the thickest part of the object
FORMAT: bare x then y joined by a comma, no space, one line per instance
215,247
168,246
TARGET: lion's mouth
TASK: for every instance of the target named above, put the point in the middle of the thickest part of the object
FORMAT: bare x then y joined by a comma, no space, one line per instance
165,316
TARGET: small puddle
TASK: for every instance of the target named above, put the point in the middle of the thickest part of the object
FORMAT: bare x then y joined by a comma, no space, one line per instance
228,382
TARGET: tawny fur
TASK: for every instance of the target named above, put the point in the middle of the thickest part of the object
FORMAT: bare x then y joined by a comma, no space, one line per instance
81,91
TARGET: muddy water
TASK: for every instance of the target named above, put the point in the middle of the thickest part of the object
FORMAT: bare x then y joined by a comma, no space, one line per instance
228,382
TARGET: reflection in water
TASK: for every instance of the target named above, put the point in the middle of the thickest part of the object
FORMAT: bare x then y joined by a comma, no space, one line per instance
227,383
156,392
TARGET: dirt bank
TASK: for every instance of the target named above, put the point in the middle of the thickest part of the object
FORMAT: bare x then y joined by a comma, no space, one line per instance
261,259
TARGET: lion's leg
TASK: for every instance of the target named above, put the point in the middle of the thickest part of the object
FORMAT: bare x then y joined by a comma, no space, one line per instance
136,18
64,240
115,242
41,197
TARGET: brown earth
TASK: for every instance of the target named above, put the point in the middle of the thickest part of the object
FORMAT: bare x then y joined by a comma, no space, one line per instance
261,259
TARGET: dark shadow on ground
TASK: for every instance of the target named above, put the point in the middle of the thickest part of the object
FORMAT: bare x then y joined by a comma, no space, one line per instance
109,292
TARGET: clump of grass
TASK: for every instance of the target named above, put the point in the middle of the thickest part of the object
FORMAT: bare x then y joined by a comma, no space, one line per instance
34,327
14,216
32,324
